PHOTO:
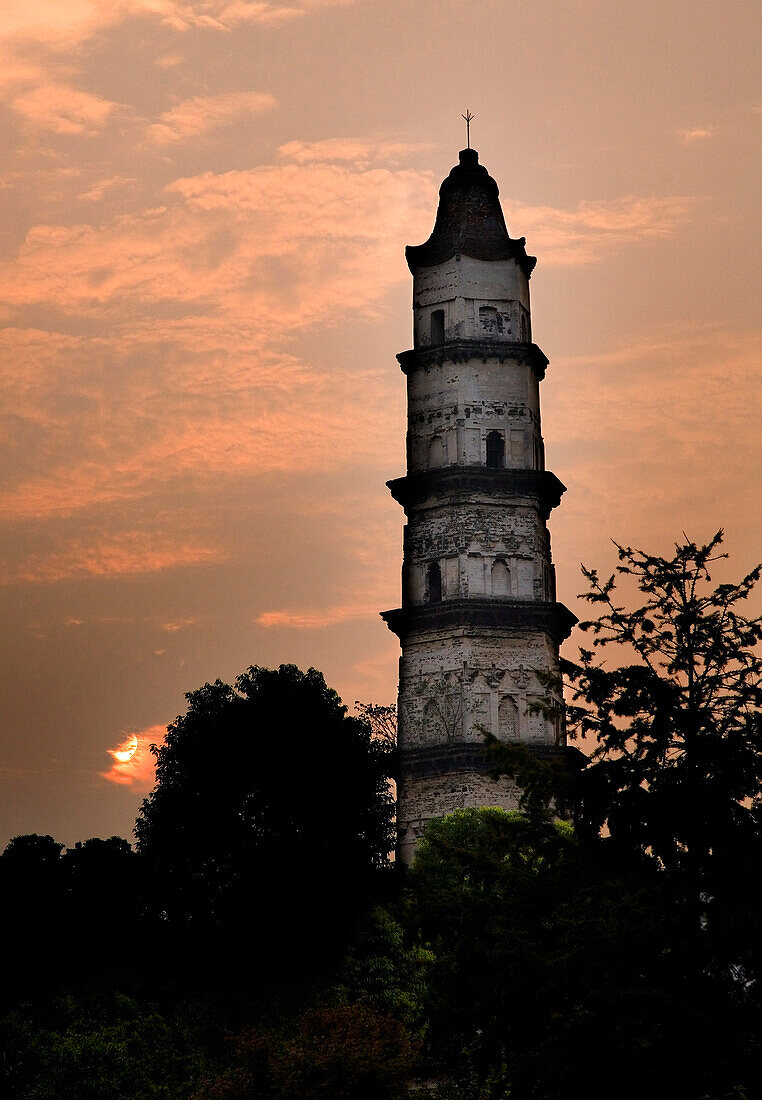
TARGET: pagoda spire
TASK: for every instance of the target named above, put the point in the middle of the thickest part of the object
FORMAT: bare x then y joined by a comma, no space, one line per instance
469,221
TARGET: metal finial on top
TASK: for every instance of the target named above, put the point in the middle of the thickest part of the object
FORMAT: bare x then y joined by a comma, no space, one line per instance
468,117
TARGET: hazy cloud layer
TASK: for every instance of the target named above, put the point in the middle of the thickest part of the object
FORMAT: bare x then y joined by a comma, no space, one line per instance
165,364
63,110
205,207
49,23
594,229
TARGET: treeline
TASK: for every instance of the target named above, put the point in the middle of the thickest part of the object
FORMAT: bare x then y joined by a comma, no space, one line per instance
264,842
258,944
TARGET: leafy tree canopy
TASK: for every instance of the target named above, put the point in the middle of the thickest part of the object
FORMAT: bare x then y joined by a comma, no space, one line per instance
269,800
676,766
339,1052
543,953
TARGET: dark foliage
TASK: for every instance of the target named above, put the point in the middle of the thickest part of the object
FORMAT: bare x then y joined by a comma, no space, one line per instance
670,799
271,809
60,909
384,973
342,1052
382,720
675,770
556,974
98,1044
677,765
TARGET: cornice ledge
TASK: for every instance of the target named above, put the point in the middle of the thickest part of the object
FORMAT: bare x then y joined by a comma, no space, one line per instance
460,351
444,481
457,756
482,613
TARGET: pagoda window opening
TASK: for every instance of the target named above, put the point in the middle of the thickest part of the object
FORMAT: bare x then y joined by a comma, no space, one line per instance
436,451
508,719
501,578
434,582
437,326
495,450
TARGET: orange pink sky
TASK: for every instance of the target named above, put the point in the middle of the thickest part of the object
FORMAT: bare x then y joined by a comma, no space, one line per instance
205,207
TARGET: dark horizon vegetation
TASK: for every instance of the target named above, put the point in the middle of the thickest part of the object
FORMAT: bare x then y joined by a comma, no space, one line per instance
602,941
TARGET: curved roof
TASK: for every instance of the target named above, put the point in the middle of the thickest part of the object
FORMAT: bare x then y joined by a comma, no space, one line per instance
469,221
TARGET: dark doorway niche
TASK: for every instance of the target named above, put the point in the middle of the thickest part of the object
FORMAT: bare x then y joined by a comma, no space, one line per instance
434,582
437,326
495,450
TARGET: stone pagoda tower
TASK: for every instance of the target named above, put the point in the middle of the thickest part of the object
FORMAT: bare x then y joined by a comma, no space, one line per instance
479,618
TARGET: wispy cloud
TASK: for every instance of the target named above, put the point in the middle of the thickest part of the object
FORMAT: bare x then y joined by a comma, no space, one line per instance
64,25
271,11
360,152
697,133
178,624
204,113
316,618
334,232
63,109
103,187
593,230
112,554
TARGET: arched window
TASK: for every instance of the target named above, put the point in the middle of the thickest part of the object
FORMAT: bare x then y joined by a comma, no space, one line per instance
437,326
508,719
434,582
495,450
436,451
523,329
501,579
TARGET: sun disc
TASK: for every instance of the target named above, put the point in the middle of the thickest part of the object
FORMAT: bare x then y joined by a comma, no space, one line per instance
127,752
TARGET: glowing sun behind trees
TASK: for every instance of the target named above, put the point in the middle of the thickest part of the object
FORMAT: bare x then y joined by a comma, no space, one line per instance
134,763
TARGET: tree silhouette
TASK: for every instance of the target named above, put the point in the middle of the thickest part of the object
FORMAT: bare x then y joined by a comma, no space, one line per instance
674,780
32,882
676,771
271,808
559,973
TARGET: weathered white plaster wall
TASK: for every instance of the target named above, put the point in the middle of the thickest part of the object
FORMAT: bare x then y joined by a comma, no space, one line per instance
461,287
435,796
459,404
458,681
